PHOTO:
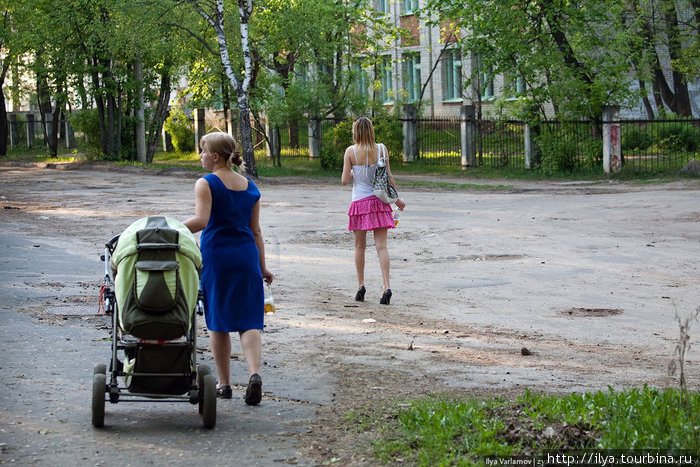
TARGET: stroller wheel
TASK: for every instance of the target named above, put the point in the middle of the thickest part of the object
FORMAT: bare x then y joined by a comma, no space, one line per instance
208,404
100,369
99,385
202,370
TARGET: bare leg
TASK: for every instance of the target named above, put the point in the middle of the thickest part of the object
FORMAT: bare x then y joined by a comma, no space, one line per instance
380,241
251,343
221,349
360,246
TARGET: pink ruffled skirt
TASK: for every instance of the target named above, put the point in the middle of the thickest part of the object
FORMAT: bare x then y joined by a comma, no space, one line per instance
370,213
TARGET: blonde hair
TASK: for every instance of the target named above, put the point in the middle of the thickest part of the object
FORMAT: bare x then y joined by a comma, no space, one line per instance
222,144
363,135
363,132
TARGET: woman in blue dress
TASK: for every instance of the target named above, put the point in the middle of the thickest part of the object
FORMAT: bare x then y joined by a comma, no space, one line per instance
227,211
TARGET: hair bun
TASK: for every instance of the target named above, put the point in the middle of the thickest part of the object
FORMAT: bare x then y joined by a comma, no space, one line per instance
236,158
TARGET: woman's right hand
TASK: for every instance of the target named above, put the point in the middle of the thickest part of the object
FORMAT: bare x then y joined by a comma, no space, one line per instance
400,204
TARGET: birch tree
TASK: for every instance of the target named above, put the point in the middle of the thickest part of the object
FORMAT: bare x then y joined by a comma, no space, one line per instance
241,82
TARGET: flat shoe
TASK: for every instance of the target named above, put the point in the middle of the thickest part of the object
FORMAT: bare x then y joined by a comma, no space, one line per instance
253,395
224,392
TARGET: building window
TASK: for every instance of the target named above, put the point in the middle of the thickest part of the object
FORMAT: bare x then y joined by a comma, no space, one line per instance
513,85
452,76
382,6
485,81
410,6
361,80
385,80
412,79
301,70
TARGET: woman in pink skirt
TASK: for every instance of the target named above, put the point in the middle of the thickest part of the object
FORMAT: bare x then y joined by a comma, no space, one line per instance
367,212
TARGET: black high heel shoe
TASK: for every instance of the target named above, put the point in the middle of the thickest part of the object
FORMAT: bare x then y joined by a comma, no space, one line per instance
360,296
386,298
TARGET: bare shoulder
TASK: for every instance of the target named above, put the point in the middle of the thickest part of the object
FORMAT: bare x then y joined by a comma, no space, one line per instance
348,153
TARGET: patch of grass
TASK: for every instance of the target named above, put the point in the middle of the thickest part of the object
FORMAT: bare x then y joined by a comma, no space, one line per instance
447,431
40,154
455,186
176,157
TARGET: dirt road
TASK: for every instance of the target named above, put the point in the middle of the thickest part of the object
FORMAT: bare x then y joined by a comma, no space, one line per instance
586,276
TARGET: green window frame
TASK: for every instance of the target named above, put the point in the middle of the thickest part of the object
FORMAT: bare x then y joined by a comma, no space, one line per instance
386,92
412,76
485,81
361,80
513,85
452,76
410,6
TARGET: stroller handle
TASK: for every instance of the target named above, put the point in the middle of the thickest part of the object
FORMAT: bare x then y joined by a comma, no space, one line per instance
112,243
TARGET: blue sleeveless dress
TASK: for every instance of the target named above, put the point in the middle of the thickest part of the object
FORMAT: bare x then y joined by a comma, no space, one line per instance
231,277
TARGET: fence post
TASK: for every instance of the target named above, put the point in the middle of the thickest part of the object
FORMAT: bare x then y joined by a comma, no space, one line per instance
70,134
198,128
314,137
467,114
48,121
31,129
273,141
14,136
410,133
529,148
612,145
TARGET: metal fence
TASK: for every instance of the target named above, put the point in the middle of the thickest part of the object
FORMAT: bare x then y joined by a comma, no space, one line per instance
659,145
568,146
439,141
500,143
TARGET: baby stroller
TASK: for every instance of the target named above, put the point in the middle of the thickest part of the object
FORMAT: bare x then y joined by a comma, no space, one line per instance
155,264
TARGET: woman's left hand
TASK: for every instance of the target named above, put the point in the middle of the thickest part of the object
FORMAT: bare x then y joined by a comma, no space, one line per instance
267,276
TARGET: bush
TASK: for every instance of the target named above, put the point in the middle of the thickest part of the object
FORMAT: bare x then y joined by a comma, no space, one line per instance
635,138
568,148
389,131
678,136
180,128
334,143
87,122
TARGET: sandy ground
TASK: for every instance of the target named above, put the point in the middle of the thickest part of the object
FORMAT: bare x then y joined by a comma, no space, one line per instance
588,277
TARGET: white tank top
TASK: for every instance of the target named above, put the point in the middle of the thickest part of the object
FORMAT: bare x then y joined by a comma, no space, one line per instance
362,176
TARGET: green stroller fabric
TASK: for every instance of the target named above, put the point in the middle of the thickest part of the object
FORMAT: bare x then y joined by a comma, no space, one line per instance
157,263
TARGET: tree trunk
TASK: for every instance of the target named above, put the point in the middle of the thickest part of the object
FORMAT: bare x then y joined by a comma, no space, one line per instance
246,135
159,116
111,107
100,104
677,99
681,99
225,102
4,130
140,120
294,134
645,99
44,100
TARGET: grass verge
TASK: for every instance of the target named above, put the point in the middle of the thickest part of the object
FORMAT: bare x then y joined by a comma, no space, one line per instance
440,430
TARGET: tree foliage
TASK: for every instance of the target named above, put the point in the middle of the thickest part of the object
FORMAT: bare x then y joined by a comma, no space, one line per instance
577,55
